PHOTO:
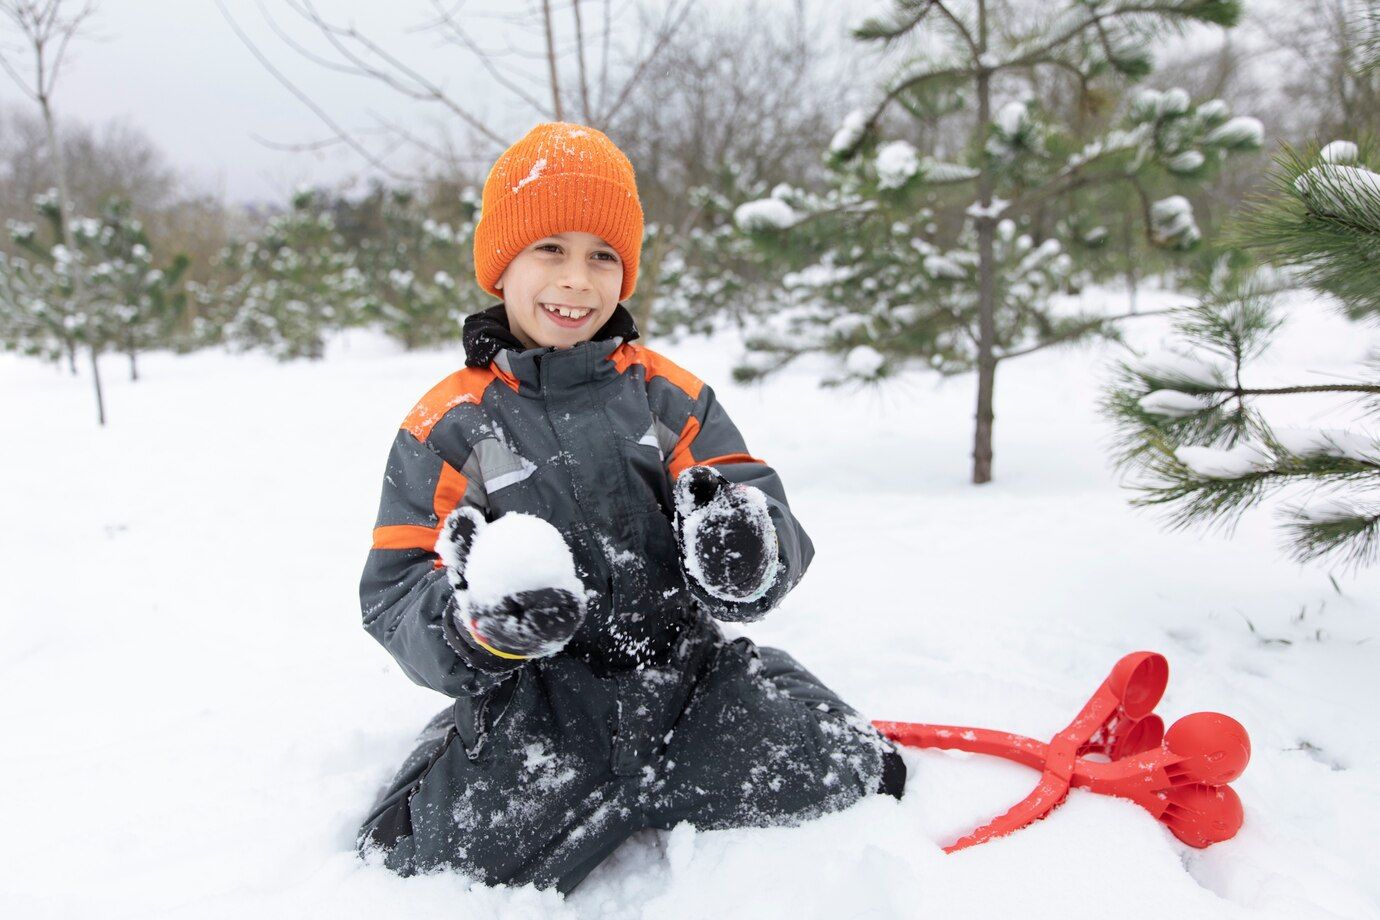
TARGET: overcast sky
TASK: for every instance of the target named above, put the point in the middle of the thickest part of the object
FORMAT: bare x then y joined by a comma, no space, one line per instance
176,69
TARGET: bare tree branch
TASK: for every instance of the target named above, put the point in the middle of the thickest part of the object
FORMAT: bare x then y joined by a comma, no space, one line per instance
345,136
424,89
449,25
663,37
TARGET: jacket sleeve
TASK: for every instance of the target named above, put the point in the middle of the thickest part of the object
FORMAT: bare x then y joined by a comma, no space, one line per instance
709,438
405,597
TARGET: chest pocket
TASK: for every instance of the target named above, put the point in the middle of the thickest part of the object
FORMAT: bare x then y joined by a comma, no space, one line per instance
646,460
506,476
647,476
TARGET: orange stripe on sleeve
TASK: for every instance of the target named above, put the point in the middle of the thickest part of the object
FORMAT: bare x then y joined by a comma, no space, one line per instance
450,490
681,459
464,386
729,458
406,536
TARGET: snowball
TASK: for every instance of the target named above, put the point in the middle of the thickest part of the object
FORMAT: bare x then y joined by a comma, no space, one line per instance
864,361
1173,403
518,552
1217,463
1241,131
1340,152
764,214
1342,192
897,162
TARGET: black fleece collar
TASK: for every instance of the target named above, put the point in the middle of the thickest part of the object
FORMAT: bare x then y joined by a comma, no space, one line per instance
487,333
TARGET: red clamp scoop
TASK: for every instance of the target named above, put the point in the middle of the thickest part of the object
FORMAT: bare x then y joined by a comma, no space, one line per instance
1179,776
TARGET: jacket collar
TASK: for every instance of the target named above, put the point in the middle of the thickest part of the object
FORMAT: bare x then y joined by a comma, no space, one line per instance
486,333
488,339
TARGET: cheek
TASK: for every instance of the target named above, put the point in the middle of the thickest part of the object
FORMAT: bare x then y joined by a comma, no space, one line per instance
613,282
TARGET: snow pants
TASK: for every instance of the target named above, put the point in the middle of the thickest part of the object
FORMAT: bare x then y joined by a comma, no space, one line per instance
547,774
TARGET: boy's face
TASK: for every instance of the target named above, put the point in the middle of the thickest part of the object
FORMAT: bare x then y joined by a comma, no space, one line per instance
576,270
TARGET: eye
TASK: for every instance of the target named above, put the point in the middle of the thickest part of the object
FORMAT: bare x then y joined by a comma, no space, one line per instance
611,256
548,246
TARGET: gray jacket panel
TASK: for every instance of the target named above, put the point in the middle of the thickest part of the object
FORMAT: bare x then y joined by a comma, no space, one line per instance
579,437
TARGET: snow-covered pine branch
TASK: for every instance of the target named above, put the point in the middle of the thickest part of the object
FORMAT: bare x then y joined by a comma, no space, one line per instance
1199,437
957,277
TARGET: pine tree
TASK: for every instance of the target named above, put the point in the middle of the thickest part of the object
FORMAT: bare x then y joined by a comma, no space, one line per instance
418,268
331,263
950,259
143,302
292,285
1199,439
125,303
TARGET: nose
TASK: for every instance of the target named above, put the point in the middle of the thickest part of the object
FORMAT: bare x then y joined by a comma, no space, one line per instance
575,277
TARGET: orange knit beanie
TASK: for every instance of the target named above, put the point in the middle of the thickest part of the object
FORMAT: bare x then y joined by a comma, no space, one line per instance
559,177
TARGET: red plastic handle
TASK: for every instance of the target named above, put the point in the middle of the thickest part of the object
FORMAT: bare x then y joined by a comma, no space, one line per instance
1179,776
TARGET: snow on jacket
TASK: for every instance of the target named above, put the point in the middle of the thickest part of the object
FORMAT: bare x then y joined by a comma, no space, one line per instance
589,438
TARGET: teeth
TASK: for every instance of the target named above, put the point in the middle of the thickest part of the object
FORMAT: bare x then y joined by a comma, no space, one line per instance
566,311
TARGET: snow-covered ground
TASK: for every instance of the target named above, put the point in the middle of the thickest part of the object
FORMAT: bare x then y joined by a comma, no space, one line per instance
194,721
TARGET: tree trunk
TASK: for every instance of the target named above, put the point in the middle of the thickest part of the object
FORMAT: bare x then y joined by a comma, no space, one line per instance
1132,282
133,365
987,278
643,317
551,61
96,376
72,356
65,222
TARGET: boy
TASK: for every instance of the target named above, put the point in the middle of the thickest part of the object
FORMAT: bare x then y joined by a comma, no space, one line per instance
589,706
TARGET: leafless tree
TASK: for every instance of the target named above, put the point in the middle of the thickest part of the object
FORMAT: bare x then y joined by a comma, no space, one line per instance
33,59
759,87
113,160
568,89
1327,85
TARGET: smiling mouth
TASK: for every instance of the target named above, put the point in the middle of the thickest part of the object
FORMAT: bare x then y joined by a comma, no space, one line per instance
564,315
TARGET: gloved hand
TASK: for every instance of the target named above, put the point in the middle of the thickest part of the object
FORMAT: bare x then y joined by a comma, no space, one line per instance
516,591
727,538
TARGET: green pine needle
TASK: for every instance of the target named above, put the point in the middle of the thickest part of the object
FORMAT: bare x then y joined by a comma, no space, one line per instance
1350,535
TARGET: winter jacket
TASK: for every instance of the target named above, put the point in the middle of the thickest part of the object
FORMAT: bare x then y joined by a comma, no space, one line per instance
589,438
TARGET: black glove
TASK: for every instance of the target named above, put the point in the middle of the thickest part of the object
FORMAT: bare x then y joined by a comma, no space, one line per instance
528,624
727,540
